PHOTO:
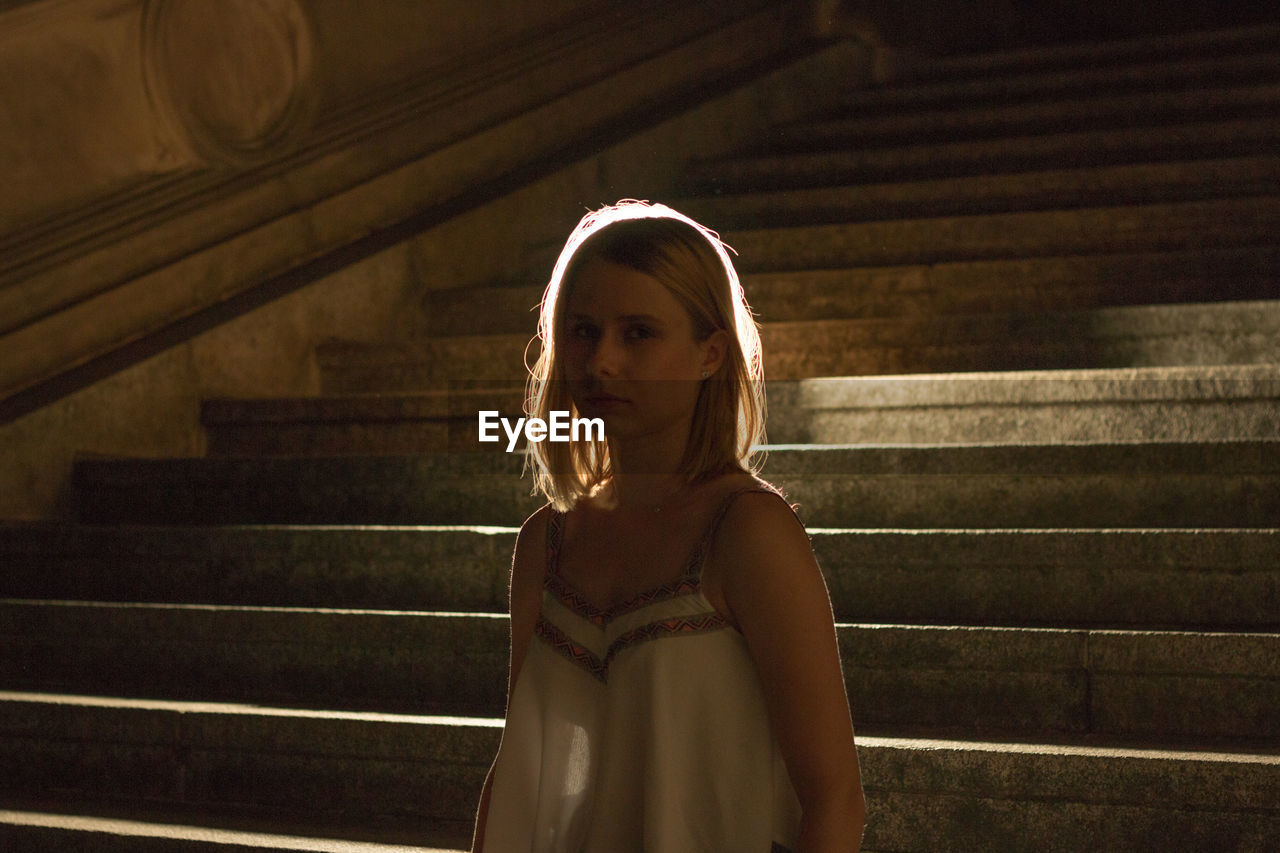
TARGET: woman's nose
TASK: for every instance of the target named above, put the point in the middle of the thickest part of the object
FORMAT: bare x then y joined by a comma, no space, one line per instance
606,356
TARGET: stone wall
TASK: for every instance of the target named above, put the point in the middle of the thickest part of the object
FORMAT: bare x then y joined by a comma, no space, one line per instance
164,161
226,293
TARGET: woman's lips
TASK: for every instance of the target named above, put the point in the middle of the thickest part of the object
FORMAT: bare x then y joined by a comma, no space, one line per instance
603,401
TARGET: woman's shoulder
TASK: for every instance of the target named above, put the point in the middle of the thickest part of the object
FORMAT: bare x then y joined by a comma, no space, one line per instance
535,526
529,560
759,550
756,516
746,498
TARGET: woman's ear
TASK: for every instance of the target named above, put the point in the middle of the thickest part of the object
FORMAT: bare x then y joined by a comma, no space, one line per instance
715,348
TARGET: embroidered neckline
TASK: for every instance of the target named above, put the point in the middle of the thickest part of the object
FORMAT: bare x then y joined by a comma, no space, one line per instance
581,656
688,582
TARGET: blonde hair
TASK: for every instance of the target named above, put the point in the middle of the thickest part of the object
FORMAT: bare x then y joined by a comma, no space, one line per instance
693,264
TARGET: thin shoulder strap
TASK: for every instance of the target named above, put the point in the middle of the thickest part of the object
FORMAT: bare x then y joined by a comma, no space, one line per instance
555,534
709,535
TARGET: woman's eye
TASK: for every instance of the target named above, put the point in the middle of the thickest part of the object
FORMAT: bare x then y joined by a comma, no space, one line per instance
640,332
585,331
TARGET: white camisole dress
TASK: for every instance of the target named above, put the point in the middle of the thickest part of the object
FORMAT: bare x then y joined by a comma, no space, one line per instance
639,728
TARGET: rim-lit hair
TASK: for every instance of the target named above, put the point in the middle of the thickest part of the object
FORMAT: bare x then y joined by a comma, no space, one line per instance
693,264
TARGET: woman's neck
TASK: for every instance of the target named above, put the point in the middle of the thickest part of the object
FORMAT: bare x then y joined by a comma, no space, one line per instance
646,470
653,492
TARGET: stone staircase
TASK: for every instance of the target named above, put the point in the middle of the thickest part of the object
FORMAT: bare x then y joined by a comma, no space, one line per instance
1022,321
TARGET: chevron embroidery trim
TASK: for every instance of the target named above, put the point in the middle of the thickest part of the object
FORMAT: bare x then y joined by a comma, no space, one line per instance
581,656
566,647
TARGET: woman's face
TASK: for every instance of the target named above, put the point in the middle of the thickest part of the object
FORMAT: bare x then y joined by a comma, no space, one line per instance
629,352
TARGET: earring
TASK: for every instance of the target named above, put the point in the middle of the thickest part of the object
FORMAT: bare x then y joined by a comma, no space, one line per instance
705,374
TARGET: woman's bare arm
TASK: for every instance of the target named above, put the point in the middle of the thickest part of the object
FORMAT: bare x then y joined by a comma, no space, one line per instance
775,592
528,566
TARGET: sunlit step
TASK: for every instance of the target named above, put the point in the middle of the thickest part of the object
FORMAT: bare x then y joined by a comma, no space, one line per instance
977,793
1222,579
1086,680
46,832
1227,484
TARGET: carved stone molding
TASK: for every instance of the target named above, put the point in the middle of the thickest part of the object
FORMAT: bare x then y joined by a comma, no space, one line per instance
308,182
233,79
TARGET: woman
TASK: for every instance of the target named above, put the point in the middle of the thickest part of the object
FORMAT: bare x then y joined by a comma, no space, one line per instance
675,682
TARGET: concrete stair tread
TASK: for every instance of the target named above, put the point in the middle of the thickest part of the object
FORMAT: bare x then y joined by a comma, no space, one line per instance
1196,44
1198,402
949,287
1149,682
404,405
404,422
1082,386
1107,110
1225,456
1254,456
1194,402
1245,65
194,622
1194,381
1200,784
1211,749
1112,336
997,192
197,709
1100,746
1158,382
347,766
1262,753
1053,150
364,566
1215,381
1181,226
1093,484
1214,579
975,646
85,827
1135,316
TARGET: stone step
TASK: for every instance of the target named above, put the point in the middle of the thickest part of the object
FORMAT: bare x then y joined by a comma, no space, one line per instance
1148,579
1107,111
1203,579
1133,336
1124,228
340,766
425,422
385,660
1245,332
1086,186
1243,63
365,567
1108,484
957,287
445,365
1150,683
1212,484
1156,684
1255,136
443,488
1198,403
963,795
1202,46
974,794
85,830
